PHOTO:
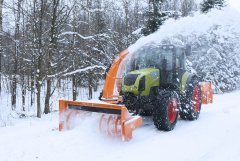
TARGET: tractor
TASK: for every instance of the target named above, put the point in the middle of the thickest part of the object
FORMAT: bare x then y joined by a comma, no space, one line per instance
150,81
157,83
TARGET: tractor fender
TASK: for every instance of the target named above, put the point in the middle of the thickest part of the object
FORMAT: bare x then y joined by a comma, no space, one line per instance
186,80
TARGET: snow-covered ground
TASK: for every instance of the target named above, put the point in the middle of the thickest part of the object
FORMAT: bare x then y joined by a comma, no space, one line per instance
63,92
213,137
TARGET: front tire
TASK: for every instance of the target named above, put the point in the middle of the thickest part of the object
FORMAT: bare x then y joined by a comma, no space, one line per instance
165,113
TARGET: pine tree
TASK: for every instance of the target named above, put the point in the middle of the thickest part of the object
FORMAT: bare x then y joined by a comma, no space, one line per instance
155,17
206,5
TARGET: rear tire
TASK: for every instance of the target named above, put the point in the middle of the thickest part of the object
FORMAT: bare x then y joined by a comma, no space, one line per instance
165,113
191,102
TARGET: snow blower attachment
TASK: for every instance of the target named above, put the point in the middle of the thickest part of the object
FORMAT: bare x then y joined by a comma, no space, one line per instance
115,120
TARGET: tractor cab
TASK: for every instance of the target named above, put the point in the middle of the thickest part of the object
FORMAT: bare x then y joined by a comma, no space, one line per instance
165,57
162,65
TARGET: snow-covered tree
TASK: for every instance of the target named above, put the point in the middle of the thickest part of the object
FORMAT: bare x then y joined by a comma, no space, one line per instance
187,6
206,5
155,17
1,49
54,40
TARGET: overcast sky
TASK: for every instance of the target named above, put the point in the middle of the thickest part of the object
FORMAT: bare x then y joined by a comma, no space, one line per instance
235,4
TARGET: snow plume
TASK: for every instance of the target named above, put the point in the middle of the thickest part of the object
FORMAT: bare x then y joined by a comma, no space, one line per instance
85,69
215,41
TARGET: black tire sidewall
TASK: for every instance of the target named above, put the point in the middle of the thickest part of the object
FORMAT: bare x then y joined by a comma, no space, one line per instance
160,112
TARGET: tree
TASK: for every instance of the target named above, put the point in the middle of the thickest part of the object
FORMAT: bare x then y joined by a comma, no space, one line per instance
207,5
52,46
155,17
15,56
1,42
187,7
38,34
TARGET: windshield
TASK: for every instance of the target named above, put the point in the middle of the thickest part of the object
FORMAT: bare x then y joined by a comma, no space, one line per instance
160,57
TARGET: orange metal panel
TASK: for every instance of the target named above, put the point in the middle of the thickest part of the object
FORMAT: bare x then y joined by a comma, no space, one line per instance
127,122
111,76
207,92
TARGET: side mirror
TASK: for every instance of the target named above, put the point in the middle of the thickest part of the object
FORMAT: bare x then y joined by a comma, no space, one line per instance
177,63
188,50
164,64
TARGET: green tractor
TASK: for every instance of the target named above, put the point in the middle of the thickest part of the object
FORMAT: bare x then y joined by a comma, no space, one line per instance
156,83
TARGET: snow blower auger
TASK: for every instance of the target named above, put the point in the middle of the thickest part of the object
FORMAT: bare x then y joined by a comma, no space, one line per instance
151,81
115,120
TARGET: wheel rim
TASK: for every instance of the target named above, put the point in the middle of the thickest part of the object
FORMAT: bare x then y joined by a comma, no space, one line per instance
172,110
196,99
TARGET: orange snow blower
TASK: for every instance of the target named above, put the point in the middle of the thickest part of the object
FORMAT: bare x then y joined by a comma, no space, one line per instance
115,121
152,81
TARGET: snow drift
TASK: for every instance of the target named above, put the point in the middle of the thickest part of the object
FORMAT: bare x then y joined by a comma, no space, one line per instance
215,41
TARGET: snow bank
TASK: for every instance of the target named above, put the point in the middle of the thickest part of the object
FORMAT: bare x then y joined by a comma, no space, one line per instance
215,41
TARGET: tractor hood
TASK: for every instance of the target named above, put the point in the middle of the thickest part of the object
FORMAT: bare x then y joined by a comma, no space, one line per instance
141,81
